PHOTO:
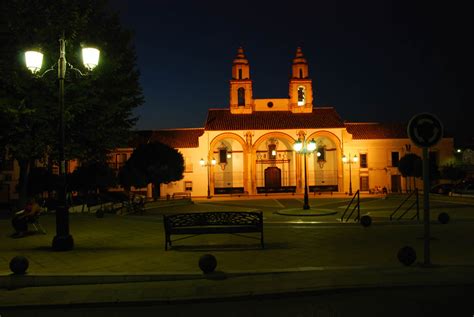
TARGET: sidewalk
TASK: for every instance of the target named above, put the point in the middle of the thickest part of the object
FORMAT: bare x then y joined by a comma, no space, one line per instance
128,252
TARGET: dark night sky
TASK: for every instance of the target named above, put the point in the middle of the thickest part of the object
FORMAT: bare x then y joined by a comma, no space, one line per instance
372,60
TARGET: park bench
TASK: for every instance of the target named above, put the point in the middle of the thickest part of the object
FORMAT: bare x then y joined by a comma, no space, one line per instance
212,222
182,195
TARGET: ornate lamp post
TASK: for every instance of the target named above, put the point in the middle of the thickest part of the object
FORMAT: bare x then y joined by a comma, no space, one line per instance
350,160
63,240
304,147
208,164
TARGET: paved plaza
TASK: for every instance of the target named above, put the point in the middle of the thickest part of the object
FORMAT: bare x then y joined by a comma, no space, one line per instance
318,251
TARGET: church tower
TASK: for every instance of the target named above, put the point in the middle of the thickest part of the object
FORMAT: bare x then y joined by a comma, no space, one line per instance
301,89
241,100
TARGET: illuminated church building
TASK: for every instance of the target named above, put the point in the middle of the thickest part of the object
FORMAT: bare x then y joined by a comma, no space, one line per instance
249,146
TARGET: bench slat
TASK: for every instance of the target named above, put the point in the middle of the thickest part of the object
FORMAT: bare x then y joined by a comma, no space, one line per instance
212,222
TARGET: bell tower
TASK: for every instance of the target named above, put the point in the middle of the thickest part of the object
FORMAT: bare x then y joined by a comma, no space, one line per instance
301,89
241,100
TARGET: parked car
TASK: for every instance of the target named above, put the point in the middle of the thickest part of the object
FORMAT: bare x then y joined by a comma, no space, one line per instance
442,189
463,188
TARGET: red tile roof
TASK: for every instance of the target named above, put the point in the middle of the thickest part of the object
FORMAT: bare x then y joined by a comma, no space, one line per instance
222,119
175,138
375,130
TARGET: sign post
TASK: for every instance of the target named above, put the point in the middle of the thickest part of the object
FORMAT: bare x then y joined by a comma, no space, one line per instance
425,130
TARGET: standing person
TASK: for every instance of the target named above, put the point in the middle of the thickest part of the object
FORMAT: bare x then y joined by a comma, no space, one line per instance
20,219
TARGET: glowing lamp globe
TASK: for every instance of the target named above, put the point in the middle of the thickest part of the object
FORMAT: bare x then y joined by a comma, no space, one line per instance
355,159
90,57
344,159
298,146
213,162
311,146
34,60
201,161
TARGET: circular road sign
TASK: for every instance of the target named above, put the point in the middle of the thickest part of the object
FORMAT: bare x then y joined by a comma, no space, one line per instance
425,130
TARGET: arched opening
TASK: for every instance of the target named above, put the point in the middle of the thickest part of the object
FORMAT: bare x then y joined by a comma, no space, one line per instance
228,176
301,96
324,168
241,96
274,164
301,73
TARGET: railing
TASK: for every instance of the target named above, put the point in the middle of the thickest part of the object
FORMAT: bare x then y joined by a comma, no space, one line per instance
357,205
416,202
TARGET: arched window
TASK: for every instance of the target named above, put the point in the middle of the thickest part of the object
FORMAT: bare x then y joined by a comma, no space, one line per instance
301,73
301,96
240,73
241,96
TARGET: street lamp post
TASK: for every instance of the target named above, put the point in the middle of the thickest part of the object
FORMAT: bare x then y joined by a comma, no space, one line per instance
208,164
350,160
63,240
304,147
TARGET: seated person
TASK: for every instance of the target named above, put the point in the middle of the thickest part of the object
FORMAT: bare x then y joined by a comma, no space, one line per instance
21,218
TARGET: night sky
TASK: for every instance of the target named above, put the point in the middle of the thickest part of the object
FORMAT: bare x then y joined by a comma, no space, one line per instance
371,60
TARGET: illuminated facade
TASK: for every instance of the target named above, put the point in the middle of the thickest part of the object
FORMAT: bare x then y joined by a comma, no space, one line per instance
251,143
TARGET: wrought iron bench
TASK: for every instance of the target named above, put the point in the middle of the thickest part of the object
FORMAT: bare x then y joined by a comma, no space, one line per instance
213,222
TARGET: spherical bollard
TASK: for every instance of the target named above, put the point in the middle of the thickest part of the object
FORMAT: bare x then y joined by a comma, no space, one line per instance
406,255
366,220
443,218
207,263
19,264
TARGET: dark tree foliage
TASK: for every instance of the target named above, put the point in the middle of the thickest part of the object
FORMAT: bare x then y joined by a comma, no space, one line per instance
98,107
410,165
452,172
154,163
41,180
92,177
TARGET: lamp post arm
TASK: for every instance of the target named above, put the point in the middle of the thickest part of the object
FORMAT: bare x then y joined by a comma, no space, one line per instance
77,70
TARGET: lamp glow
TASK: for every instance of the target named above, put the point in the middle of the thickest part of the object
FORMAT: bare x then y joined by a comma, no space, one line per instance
344,159
298,145
34,60
318,154
229,155
311,146
90,57
213,161
355,159
201,161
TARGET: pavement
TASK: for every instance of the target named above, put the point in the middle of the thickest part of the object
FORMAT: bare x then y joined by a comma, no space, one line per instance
121,258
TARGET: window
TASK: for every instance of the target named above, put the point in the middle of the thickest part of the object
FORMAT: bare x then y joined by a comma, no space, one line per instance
241,96
188,165
301,96
222,156
272,153
301,73
240,73
363,160
188,186
395,159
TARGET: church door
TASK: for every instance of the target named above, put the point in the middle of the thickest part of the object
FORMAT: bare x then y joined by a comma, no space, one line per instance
272,177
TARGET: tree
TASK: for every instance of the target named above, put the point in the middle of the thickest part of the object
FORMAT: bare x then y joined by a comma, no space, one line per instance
98,107
154,163
410,165
452,172
93,177
41,180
